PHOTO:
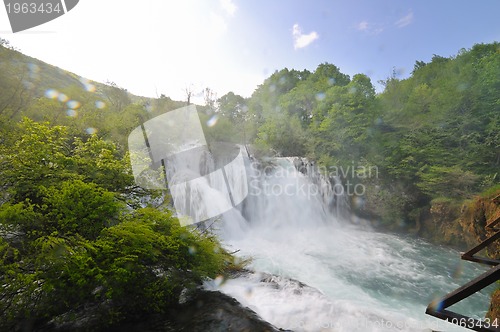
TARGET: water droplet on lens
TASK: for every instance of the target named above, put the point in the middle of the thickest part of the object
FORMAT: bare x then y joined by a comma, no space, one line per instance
71,113
100,104
463,86
33,68
320,96
219,280
73,104
62,98
212,121
87,85
51,93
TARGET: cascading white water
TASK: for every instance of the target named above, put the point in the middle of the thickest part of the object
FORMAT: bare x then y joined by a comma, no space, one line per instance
291,224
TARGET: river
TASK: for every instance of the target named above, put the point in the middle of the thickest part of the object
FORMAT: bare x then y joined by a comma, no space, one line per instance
357,279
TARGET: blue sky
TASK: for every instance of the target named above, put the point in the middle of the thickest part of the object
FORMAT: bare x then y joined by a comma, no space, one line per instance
154,47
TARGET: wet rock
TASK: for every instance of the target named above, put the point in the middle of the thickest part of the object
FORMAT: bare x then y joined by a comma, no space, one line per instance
215,311
202,311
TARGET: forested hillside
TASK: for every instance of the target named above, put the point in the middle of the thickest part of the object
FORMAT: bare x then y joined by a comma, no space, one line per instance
42,92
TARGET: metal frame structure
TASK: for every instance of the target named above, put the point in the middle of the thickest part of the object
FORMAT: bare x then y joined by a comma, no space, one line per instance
438,308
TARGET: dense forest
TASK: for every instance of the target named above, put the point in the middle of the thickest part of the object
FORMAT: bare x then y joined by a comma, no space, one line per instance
72,229
434,136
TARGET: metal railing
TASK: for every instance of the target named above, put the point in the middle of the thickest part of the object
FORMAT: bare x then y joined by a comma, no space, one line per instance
439,308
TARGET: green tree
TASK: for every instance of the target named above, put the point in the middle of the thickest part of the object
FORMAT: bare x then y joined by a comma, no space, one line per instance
232,106
38,156
344,121
67,242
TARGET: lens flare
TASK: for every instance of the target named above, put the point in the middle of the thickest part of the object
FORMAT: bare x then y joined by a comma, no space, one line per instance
437,305
463,86
51,93
458,271
213,120
33,70
358,202
91,130
28,85
320,96
33,67
72,113
100,104
87,85
63,98
219,280
73,104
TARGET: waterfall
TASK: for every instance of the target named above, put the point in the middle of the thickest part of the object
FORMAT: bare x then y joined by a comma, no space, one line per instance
291,191
273,192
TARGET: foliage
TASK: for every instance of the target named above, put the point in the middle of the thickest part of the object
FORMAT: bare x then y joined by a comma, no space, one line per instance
434,134
37,156
99,162
68,242
148,259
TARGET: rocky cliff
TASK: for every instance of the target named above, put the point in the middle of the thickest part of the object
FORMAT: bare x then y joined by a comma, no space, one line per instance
461,224
465,225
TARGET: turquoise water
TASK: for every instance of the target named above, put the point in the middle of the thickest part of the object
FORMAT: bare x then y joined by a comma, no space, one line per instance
366,281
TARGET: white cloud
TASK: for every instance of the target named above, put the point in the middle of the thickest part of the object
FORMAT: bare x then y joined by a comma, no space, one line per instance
363,26
301,40
405,20
369,28
228,6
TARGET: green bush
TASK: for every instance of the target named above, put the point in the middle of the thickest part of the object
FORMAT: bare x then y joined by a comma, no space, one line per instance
68,243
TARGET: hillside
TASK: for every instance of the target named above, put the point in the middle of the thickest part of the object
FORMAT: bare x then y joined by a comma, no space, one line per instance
32,88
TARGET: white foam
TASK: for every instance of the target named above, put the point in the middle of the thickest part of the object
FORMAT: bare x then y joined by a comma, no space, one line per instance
360,280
